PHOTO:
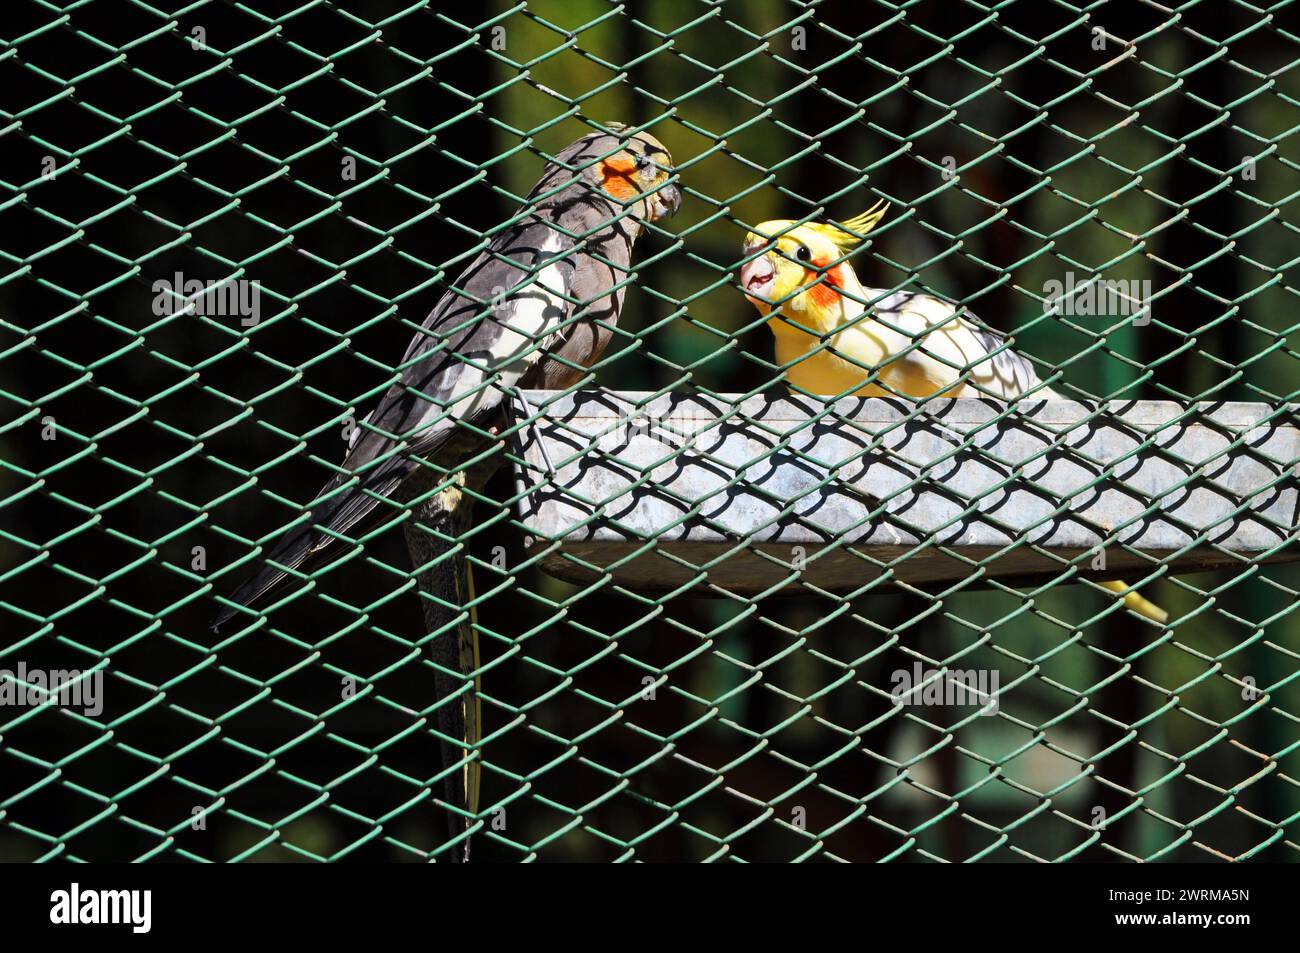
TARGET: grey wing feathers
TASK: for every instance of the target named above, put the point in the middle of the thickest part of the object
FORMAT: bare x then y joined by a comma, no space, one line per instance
339,512
468,338
450,374
1013,373
954,339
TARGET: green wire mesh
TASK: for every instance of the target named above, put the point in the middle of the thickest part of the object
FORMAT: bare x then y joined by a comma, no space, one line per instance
338,164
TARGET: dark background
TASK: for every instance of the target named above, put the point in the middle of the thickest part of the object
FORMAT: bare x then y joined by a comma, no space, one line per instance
176,432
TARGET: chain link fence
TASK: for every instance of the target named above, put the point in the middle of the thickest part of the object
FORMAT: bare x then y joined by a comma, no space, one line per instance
222,223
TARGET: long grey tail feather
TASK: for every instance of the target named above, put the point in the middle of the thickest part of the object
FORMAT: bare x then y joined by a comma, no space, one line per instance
338,513
454,651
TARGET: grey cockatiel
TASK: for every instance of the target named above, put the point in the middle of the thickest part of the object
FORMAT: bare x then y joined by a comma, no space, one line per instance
533,310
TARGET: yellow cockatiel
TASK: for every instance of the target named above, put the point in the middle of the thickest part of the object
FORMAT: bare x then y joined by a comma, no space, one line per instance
909,344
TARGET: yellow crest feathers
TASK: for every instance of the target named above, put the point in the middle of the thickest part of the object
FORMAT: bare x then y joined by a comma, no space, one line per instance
851,233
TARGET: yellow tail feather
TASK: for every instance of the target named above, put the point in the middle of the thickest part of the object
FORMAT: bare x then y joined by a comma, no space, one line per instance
1143,607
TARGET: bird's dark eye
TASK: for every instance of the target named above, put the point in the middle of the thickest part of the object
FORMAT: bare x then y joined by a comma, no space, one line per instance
641,160
802,253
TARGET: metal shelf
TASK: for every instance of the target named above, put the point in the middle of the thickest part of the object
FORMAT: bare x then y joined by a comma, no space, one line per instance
748,494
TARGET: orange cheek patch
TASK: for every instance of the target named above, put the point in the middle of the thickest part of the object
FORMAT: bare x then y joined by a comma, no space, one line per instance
823,294
616,178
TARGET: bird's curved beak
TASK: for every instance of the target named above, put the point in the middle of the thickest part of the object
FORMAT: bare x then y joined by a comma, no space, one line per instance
757,278
665,202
